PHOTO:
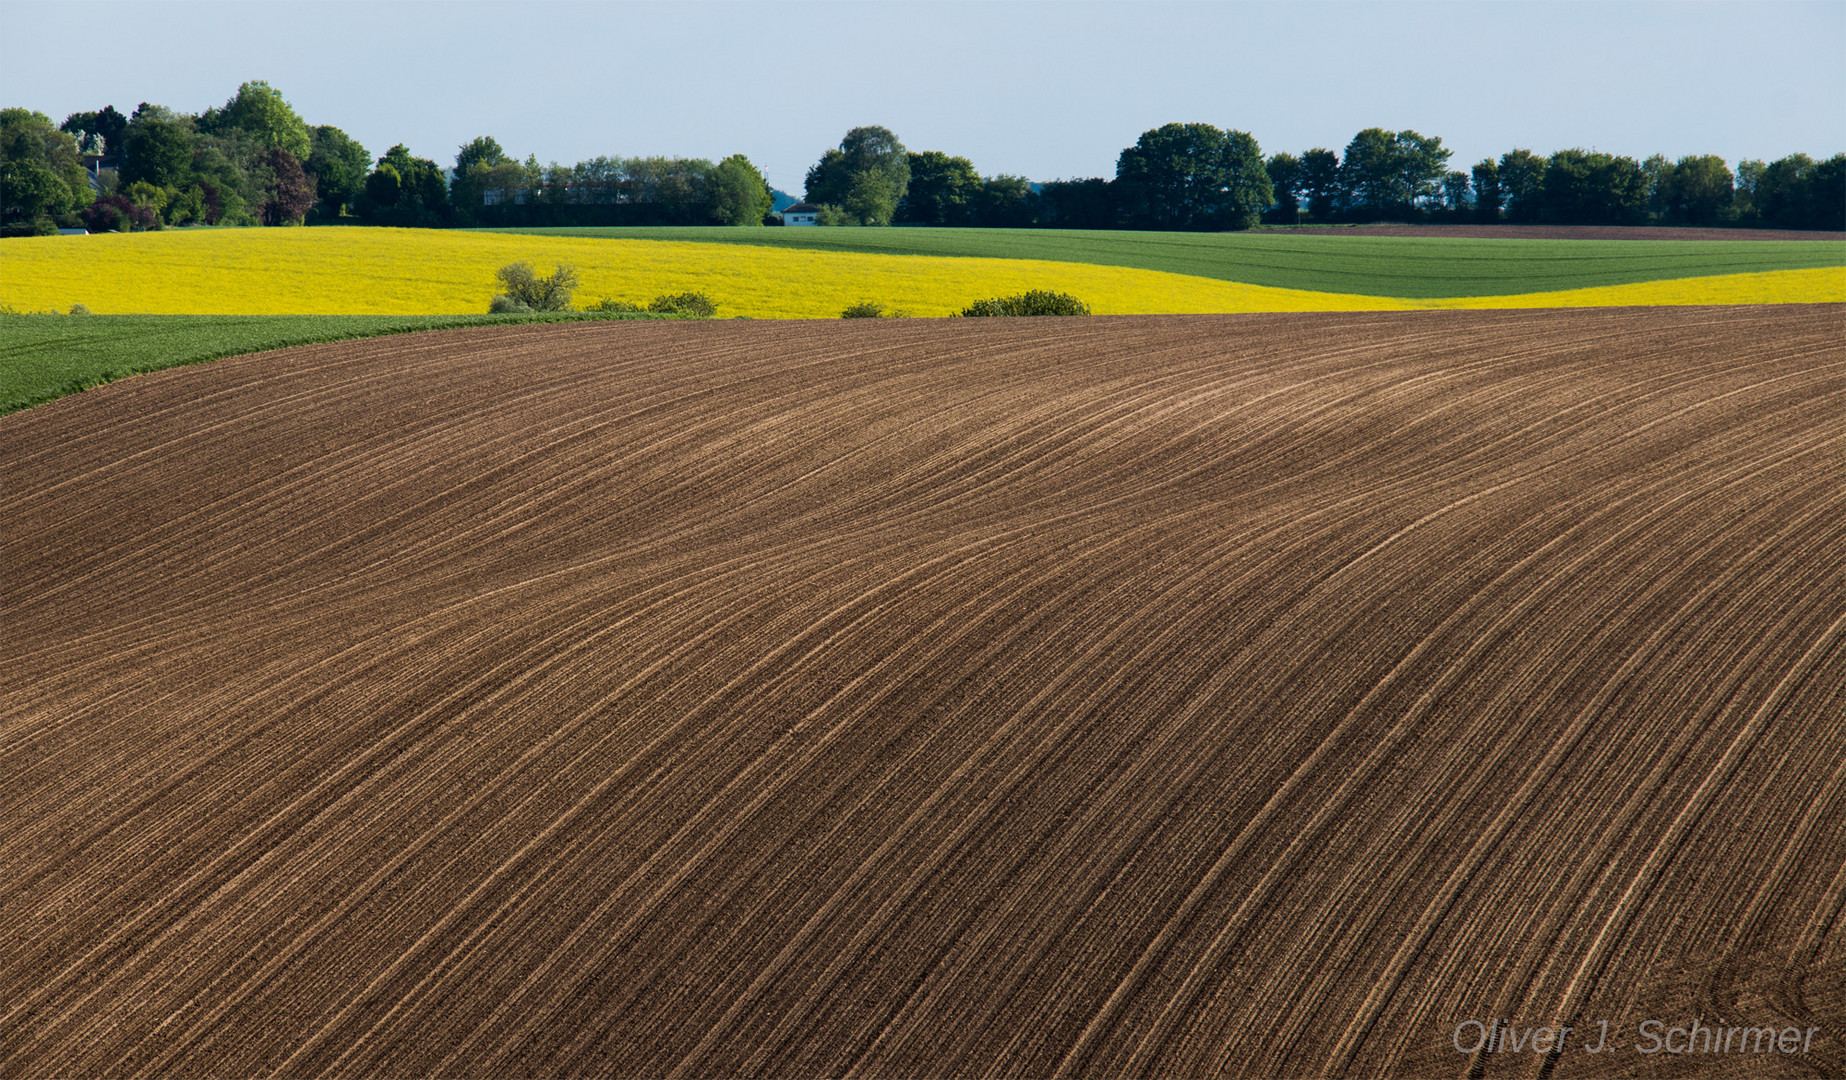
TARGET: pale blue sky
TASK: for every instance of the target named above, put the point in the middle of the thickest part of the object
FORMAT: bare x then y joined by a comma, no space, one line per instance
1045,90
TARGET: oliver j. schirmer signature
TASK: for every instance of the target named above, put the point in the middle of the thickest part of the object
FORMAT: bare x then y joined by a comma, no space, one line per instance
1650,1037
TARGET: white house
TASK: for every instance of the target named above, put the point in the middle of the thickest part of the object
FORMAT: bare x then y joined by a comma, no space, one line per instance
801,214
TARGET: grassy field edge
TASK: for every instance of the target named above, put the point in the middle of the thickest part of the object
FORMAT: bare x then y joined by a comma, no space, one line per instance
44,357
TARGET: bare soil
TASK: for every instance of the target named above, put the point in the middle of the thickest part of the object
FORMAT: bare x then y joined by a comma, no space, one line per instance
1158,696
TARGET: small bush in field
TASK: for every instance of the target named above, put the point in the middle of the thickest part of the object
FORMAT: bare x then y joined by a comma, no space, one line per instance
695,304
607,305
864,309
1035,302
524,286
506,305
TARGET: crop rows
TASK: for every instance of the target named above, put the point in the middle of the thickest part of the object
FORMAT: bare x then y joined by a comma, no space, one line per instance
1252,695
1385,261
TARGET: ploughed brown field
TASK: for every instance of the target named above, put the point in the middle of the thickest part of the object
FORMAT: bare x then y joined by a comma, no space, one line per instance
1110,697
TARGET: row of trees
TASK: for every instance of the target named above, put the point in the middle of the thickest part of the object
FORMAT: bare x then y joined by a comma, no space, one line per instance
490,188
1196,176
1403,176
255,161
1181,176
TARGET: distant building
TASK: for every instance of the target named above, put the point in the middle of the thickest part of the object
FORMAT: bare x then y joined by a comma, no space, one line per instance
801,214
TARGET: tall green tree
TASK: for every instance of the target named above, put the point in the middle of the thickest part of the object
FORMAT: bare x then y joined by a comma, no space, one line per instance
260,110
1522,185
1457,194
1797,192
1004,202
737,193
1699,191
1487,194
1749,172
1322,183
29,191
1592,188
1826,195
483,150
1284,171
867,176
478,170
942,190
41,168
404,190
1390,172
158,147
1194,176
337,164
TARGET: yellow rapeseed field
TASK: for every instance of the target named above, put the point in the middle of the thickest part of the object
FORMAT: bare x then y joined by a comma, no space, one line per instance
362,271
1822,286
370,271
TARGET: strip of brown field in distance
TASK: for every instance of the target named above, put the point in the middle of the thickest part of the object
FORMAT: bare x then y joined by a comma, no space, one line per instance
1174,696
1569,232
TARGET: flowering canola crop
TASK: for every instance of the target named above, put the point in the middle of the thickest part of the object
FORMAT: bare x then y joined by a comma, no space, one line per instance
367,271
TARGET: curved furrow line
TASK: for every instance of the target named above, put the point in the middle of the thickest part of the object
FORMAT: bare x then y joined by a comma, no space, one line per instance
1613,833
938,792
1488,839
1634,893
791,700
135,422
1656,585
942,565
1744,932
234,395
1599,705
283,490
930,867
334,782
1349,786
666,599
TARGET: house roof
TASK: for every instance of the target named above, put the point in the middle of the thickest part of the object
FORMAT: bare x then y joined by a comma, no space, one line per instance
801,208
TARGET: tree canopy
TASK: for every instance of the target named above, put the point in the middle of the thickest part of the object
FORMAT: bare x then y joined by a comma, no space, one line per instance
738,193
1193,176
942,190
41,169
259,109
338,165
866,177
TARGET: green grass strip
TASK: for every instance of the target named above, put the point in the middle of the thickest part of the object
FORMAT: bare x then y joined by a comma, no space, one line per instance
1395,266
43,357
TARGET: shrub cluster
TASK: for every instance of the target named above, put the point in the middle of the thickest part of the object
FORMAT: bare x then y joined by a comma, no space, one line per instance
871,309
526,291
1034,302
694,304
